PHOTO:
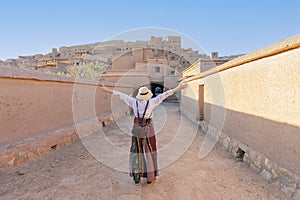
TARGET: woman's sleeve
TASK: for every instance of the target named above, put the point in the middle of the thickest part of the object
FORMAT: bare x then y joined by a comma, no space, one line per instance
159,98
124,97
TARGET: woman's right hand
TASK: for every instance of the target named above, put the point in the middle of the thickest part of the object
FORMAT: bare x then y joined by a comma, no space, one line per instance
104,88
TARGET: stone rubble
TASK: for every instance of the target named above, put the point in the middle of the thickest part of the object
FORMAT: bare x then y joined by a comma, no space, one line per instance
283,179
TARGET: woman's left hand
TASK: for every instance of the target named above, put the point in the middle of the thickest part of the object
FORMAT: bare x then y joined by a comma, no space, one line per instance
183,85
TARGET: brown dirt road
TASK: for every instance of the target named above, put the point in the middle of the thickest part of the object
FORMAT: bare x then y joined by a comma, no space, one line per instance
73,173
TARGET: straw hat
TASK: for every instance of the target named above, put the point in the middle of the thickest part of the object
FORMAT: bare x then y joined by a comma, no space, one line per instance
144,94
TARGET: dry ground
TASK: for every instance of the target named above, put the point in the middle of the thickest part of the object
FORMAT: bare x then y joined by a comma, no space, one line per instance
73,173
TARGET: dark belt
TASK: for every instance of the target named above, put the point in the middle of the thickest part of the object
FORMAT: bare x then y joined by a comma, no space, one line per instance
147,120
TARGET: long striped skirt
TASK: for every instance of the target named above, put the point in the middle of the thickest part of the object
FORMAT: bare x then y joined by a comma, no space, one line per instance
143,156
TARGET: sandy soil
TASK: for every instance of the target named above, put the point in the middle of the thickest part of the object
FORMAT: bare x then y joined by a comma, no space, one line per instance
73,173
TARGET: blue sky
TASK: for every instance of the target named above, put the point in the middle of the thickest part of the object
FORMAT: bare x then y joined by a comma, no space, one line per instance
227,26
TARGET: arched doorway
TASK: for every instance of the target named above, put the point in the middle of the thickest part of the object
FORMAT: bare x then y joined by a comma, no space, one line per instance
157,88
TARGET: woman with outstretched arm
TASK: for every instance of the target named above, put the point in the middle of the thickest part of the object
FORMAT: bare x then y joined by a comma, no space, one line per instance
143,154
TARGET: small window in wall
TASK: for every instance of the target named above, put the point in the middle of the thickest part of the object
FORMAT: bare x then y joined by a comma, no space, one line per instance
157,69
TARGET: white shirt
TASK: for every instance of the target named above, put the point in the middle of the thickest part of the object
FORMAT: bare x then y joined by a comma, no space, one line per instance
153,102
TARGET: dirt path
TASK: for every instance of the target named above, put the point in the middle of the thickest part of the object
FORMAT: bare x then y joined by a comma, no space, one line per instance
73,173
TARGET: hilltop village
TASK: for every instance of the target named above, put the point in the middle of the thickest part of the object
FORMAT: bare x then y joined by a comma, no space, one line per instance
97,58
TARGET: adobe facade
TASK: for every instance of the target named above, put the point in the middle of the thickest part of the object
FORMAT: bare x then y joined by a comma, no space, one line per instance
158,64
204,64
146,66
250,105
41,112
100,51
153,60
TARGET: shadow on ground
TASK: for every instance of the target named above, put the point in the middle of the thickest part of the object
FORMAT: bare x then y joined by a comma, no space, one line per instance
73,173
